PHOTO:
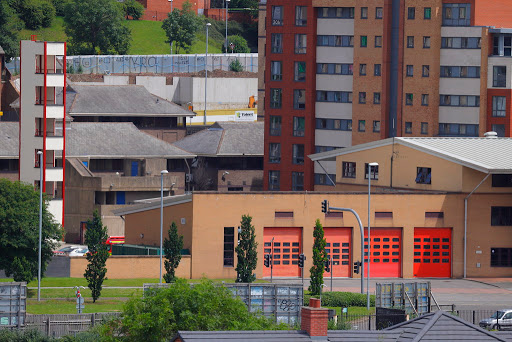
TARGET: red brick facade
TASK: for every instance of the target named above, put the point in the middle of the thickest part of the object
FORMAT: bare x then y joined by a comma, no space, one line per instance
158,9
314,319
499,120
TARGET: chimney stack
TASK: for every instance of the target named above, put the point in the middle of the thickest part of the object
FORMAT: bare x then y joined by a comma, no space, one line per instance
314,319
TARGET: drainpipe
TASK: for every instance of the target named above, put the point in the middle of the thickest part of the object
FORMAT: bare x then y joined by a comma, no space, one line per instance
466,221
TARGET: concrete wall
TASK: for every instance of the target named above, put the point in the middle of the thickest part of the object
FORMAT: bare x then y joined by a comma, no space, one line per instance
249,180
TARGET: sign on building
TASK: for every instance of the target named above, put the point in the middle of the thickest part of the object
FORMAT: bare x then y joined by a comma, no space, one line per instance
13,304
245,115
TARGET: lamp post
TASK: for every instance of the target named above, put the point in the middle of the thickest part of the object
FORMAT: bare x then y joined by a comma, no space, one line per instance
162,173
206,72
171,24
226,43
370,165
40,153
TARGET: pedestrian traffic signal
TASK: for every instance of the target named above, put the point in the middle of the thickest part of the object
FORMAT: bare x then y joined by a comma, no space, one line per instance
325,206
268,259
357,265
327,264
302,257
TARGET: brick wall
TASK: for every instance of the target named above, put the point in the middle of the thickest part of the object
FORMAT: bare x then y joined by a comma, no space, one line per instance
314,319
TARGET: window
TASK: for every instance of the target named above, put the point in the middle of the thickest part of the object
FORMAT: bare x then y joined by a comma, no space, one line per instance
334,68
409,70
502,181
376,70
460,71
334,124
362,69
297,181
425,71
333,96
275,125
374,172
298,154
376,126
499,129
299,99
378,41
379,13
501,257
427,13
376,98
322,179
364,41
499,104
364,12
301,15
275,98
426,42
362,97
229,246
460,42
499,78
411,12
300,71
423,175
456,14
410,41
274,153
361,127
459,100
299,124
277,42
408,99
408,127
501,216
277,15
336,12
276,71
424,128
349,170
273,180
339,41
424,99
455,130
320,149
300,43
502,45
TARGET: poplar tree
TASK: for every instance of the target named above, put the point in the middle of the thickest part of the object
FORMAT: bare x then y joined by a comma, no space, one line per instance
172,251
319,259
96,239
246,252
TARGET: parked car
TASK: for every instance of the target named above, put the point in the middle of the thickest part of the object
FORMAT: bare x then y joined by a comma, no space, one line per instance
79,252
501,319
65,250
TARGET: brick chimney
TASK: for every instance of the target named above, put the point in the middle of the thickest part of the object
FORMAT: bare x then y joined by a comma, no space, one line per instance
314,319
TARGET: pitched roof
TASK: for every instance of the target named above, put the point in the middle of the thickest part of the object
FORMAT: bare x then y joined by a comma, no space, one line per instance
259,336
9,140
226,139
120,100
483,154
362,336
152,203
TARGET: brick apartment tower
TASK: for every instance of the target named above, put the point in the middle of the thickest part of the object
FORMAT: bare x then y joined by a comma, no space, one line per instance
344,72
42,119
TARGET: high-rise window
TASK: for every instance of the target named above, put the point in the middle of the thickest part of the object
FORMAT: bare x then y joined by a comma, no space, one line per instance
275,125
499,78
427,13
409,70
334,68
424,99
300,43
277,15
349,170
425,71
362,97
362,69
378,41
456,129
364,41
299,99
376,126
298,154
333,96
376,98
424,128
334,124
426,42
461,42
276,70
408,127
334,40
361,127
364,12
499,105
297,181
274,155
299,125
277,42
460,71
300,71
410,41
499,129
229,246
408,99
336,12
376,70
411,12
379,12
273,180
275,98
301,15
456,14
459,100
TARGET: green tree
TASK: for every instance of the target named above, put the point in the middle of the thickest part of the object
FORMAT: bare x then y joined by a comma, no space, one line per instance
160,313
96,26
19,231
319,259
96,238
240,44
180,27
172,250
48,13
10,27
246,251
133,8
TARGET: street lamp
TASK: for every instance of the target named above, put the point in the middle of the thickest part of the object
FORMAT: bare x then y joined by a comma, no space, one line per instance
40,153
206,72
171,24
369,239
162,173
226,43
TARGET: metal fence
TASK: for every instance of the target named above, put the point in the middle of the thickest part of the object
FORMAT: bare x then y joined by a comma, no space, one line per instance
127,64
13,304
412,297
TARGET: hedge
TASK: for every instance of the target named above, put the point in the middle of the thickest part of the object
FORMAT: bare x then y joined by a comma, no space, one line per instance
342,299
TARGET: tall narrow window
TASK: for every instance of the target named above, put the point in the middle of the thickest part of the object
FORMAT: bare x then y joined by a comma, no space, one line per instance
273,180
408,99
298,154
499,105
424,99
379,12
275,125
299,99
362,97
364,41
277,42
424,128
275,98
427,13
499,76
411,13
300,71
410,41
362,69
408,127
300,43
376,126
378,41
297,181
376,98
425,71
299,124
274,153
301,15
364,12
276,70
376,70
361,126
426,42
277,15
229,246
409,71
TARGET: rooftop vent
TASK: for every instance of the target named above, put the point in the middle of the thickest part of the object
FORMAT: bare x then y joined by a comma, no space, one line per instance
491,135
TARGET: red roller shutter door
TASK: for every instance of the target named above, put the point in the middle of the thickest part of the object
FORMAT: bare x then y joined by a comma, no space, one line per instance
285,248
386,248
339,247
433,252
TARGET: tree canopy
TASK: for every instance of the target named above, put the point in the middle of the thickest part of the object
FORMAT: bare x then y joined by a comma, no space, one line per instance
180,27
19,231
10,27
96,26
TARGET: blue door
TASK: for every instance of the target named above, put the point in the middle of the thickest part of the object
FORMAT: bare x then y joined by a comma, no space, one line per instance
120,197
135,168
86,163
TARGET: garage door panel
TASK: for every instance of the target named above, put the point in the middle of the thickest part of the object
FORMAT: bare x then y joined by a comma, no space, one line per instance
338,246
285,244
386,249
432,252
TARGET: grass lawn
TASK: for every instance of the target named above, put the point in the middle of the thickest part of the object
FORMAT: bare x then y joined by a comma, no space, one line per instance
69,306
53,33
355,310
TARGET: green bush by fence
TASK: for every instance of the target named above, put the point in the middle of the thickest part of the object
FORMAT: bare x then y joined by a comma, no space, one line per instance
342,299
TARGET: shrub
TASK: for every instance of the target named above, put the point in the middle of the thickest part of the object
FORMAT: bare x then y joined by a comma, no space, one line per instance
133,9
32,14
240,45
48,14
342,299
24,336
236,66
341,324
60,5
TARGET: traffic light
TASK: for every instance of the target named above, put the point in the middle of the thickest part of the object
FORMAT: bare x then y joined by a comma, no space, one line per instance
268,258
302,257
325,206
327,265
357,265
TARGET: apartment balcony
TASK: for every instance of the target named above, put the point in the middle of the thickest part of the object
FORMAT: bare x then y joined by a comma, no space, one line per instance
142,183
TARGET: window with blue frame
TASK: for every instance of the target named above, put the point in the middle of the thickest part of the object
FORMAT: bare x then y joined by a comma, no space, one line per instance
335,40
423,175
